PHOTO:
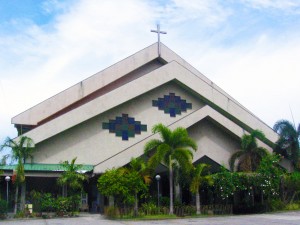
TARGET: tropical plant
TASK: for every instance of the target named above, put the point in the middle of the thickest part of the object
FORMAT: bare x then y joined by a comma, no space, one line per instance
3,209
290,187
173,149
288,142
269,175
21,150
250,153
122,183
139,166
198,178
71,177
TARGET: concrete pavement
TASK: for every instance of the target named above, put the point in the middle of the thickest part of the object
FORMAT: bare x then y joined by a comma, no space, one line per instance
287,218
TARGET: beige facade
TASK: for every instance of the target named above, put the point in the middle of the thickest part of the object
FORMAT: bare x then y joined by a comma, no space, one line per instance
71,123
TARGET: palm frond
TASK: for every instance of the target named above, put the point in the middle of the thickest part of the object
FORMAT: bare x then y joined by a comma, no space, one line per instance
150,145
234,157
183,157
197,176
164,132
187,143
281,125
261,152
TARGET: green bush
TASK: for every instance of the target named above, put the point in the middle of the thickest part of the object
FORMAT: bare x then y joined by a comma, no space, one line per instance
20,214
292,206
164,201
74,201
3,209
150,208
47,202
112,212
62,205
275,205
36,198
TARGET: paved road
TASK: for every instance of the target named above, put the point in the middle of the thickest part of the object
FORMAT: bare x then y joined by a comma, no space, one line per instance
289,218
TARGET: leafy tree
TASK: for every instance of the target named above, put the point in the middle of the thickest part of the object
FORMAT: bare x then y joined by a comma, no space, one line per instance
198,178
173,149
121,183
250,154
269,174
288,142
70,177
22,149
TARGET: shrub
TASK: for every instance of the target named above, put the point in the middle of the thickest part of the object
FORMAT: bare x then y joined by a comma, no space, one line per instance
164,201
276,205
3,209
292,206
36,200
111,212
74,201
20,214
62,205
150,208
47,202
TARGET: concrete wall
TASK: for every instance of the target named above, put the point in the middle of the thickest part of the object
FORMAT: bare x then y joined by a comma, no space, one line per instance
213,141
91,144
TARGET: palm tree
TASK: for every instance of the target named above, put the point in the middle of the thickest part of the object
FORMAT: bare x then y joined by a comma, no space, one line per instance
138,166
70,177
250,154
288,142
22,149
174,148
197,180
73,180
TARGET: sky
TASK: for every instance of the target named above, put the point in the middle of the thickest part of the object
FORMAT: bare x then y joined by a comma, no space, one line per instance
250,48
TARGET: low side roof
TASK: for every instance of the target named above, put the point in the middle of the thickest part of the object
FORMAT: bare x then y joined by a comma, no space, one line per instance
45,167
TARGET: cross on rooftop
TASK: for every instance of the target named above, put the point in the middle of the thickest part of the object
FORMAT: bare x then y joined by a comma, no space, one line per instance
158,31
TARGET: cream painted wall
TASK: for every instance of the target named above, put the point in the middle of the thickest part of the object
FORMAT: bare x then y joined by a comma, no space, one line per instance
213,141
91,144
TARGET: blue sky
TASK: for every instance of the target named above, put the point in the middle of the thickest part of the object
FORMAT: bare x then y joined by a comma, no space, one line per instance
250,48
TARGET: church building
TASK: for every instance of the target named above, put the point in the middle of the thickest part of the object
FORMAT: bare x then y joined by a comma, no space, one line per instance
106,119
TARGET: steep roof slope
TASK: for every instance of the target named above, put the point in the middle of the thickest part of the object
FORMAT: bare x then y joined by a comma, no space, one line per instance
105,90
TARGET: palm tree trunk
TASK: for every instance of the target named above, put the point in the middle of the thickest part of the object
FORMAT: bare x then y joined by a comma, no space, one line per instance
198,203
16,199
23,193
136,205
171,190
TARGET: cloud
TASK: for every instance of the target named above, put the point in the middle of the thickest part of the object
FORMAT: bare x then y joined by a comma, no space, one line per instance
84,37
263,75
206,13
282,5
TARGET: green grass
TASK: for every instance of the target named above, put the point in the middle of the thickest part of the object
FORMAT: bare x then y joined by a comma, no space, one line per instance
162,217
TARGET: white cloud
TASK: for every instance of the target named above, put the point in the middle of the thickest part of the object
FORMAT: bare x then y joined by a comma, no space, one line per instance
285,5
207,13
263,75
87,36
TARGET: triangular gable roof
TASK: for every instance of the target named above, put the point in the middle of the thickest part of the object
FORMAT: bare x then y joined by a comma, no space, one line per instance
171,68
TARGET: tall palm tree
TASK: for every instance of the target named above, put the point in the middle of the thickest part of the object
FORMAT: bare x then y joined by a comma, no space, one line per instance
288,142
21,150
174,148
250,153
70,177
198,178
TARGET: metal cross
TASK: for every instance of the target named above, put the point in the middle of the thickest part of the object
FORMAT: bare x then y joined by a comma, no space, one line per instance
158,31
